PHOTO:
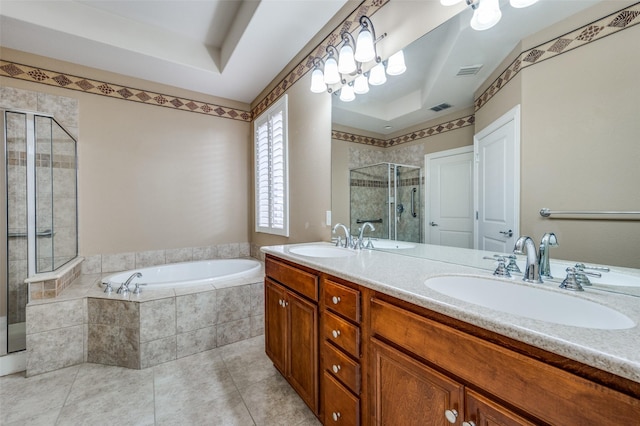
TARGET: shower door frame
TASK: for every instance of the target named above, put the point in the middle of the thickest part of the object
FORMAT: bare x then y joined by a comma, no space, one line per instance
391,210
31,151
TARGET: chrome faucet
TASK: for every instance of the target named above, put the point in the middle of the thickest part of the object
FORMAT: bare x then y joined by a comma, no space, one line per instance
360,242
124,288
525,245
347,235
548,240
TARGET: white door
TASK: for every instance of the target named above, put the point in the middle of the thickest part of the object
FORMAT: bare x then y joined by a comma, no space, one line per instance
449,198
497,151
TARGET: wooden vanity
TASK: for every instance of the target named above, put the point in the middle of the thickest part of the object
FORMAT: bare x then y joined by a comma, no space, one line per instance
360,356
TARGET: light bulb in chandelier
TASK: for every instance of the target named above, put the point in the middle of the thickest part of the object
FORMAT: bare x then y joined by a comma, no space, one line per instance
518,4
485,15
346,61
395,64
361,85
365,45
377,75
317,81
347,94
331,74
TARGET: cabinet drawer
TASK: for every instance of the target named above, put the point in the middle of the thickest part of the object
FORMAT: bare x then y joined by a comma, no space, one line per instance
342,299
342,333
340,406
341,366
296,279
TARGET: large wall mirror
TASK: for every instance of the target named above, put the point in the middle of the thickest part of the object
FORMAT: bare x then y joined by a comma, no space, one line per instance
579,118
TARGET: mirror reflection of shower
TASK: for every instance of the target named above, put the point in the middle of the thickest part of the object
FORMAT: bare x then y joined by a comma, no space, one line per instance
387,195
40,195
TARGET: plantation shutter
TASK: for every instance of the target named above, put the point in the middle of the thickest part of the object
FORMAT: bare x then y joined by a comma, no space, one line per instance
271,170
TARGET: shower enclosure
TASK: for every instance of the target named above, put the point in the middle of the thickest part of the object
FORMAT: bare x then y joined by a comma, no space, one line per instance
40,198
387,195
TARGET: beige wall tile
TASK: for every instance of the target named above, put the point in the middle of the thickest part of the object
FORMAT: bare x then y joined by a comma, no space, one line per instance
195,341
194,311
233,331
54,349
50,316
157,319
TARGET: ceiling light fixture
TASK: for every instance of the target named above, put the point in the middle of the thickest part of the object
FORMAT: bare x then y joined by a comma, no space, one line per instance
486,13
356,64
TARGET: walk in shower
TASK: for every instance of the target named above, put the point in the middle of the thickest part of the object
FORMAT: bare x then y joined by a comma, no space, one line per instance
387,195
40,197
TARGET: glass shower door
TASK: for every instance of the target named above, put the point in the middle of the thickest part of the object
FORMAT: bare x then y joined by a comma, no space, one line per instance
407,192
40,195
17,295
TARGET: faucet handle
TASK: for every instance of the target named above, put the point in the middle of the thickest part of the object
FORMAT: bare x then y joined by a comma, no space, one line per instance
137,289
582,266
581,274
513,266
501,270
571,282
107,287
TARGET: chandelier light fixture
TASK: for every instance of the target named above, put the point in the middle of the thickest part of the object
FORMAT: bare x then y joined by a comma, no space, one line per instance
355,66
486,13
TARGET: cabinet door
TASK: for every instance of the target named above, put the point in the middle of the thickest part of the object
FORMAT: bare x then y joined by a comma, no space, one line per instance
407,392
275,314
484,412
303,350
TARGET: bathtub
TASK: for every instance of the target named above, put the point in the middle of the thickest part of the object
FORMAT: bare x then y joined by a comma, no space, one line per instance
189,273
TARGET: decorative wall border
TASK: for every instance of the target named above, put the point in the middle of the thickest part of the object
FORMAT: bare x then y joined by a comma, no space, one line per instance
582,36
115,91
350,24
438,129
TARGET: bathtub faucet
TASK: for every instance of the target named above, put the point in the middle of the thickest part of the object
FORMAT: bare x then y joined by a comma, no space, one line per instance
124,288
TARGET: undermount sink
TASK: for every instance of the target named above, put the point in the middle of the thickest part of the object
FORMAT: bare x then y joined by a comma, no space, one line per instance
535,303
321,250
391,244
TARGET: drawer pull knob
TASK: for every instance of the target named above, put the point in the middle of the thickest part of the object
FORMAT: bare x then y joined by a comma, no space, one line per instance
335,300
335,333
336,368
335,416
280,302
469,423
451,415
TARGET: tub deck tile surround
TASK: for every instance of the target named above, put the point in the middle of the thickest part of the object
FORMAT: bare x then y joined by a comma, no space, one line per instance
140,331
115,262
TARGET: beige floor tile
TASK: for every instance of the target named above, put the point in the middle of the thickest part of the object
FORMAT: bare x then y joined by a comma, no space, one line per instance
247,362
282,406
104,380
227,409
232,385
23,398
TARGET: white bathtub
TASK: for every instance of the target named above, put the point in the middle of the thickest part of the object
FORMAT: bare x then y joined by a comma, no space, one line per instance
188,273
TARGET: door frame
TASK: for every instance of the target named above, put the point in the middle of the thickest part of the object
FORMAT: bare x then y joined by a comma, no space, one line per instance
512,115
427,159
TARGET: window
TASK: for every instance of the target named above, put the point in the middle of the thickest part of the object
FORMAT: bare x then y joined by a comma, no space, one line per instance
271,170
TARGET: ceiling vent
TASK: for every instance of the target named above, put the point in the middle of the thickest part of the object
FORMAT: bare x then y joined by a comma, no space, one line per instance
468,70
440,107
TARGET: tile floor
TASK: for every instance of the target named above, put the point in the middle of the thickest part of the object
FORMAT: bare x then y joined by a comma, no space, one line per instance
231,385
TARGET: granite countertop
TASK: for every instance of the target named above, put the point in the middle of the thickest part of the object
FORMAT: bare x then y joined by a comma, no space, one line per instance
401,276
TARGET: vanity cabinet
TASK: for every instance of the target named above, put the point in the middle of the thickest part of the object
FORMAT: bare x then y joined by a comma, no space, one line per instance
341,353
291,327
359,356
451,376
